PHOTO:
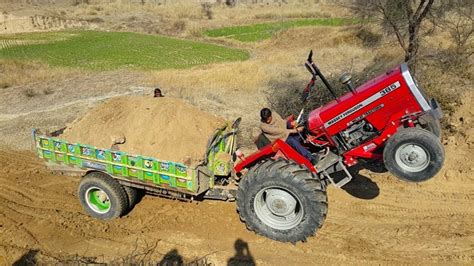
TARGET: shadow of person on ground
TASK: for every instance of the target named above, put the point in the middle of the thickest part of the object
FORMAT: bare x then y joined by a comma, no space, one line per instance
242,254
29,258
360,186
172,258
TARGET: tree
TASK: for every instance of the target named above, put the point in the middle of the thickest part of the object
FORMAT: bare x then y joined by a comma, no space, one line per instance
401,17
457,18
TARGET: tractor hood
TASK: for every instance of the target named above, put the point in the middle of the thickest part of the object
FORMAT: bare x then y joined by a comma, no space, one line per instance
393,91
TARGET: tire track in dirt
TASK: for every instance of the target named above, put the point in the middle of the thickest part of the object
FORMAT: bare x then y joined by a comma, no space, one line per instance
35,196
11,223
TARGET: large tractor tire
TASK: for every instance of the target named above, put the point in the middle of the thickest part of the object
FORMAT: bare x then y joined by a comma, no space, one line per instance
414,154
102,196
282,200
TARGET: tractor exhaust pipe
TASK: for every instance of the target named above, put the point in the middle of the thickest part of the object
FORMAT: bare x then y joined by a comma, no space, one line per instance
346,79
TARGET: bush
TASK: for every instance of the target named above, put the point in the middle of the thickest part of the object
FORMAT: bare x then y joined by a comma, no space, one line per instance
207,10
284,95
179,26
368,37
4,84
30,93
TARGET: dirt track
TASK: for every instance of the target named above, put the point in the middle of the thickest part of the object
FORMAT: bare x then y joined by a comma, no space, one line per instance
375,219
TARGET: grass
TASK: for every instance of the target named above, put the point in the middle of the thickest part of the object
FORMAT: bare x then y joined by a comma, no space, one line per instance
259,32
113,50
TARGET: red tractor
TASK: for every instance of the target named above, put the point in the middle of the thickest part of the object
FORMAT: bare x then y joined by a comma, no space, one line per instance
389,119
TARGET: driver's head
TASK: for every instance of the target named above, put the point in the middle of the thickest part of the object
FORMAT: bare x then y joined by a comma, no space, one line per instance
266,115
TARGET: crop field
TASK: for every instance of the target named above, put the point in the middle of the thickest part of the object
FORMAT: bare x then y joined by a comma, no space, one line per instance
98,50
259,32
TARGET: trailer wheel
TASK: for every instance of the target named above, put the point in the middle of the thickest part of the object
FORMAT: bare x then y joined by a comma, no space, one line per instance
282,200
133,195
414,154
102,196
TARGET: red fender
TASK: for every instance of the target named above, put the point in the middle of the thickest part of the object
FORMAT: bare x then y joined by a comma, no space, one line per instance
271,150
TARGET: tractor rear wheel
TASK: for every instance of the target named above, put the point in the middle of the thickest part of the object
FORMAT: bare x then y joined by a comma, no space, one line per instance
414,154
102,196
282,200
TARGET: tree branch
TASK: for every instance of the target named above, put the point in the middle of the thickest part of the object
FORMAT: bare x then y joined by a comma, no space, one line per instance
394,26
419,17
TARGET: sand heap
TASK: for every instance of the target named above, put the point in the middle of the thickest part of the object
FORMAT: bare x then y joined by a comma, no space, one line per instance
164,128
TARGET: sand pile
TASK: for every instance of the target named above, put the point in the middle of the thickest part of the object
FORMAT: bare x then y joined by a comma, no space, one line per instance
164,128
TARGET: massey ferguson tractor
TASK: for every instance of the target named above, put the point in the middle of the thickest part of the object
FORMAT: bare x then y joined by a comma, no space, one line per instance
388,119
279,193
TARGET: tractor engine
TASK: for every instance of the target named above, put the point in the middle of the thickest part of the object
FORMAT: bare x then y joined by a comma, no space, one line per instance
356,134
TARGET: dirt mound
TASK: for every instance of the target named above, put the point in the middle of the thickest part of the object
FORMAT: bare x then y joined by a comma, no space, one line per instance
164,128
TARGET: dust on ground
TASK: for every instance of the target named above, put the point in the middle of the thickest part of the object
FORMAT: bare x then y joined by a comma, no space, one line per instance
165,128
375,219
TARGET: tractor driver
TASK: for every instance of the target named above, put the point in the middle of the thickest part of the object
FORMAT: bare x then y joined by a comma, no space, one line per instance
274,127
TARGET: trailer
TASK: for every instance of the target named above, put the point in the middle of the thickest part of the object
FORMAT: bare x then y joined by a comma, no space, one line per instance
113,180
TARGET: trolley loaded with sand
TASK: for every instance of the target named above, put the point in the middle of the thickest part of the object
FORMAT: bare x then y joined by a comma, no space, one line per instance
164,128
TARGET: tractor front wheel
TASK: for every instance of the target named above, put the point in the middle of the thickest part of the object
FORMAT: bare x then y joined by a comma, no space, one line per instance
414,154
433,126
282,200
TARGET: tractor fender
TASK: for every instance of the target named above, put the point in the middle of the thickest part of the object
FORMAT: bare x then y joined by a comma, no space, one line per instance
278,147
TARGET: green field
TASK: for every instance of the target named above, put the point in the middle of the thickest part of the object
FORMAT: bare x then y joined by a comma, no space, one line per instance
258,32
112,50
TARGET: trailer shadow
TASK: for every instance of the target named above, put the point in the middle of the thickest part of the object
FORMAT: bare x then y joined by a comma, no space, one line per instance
360,186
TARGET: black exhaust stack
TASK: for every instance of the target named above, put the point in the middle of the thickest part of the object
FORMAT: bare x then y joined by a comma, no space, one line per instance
346,79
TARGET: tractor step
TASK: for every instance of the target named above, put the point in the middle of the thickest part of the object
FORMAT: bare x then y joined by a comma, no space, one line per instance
343,181
330,160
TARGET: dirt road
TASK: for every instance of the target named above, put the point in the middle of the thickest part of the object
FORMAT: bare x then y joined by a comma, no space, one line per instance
375,219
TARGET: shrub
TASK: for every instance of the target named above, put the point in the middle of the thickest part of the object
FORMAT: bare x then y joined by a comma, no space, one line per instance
206,9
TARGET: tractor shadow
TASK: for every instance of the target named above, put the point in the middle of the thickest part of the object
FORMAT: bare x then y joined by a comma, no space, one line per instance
361,187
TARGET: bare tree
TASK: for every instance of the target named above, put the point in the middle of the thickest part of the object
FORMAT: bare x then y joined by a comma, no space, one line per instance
457,18
402,17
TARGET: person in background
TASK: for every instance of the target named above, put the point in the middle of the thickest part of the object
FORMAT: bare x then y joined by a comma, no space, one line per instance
157,93
274,127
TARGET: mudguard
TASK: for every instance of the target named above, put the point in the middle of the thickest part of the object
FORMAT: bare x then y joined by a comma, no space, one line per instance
277,148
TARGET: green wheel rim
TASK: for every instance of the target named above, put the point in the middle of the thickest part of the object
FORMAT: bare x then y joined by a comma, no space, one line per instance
98,200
